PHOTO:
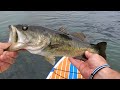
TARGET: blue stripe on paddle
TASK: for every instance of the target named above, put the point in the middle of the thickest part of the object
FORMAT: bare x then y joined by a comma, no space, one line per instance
75,72
71,70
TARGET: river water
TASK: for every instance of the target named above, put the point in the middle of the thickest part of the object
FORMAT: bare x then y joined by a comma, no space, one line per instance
96,25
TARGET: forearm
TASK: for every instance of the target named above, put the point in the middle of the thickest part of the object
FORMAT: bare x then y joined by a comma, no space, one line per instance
107,73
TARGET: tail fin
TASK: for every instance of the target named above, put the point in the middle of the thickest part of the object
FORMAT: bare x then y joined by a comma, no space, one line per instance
101,47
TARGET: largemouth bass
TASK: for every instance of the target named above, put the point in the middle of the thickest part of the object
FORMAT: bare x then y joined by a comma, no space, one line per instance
51,43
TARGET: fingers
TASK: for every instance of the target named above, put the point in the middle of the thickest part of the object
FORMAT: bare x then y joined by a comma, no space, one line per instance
4,45
8,56
12,54
6,60
88,54
75,62
82,66
1,51
4,66
85,70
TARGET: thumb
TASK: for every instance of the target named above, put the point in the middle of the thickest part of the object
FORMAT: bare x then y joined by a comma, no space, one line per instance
4,45
88,54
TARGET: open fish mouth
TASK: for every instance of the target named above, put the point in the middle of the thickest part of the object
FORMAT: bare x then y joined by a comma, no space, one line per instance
13,38
16,39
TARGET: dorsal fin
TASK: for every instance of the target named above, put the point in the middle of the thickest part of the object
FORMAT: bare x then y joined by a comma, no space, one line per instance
63,30
79,35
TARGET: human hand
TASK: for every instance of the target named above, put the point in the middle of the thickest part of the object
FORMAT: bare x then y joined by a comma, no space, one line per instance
87,67
7,58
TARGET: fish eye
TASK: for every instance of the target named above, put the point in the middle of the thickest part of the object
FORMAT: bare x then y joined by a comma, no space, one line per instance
24,28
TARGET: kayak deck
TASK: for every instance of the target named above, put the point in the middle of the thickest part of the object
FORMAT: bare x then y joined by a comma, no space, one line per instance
63,69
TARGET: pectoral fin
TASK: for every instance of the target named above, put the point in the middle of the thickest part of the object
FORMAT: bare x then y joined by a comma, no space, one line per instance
50,59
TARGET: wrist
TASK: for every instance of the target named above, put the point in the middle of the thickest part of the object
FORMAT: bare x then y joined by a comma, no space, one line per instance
102,73
98,69
107,73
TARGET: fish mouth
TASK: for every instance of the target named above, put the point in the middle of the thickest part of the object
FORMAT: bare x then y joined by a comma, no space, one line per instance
15,39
